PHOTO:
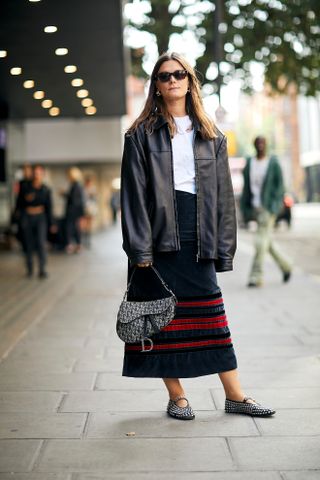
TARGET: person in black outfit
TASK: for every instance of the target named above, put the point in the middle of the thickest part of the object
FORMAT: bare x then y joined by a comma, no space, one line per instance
178,215
36,208
74,210
18,210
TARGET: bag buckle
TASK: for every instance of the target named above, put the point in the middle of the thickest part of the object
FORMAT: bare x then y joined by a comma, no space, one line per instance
144,349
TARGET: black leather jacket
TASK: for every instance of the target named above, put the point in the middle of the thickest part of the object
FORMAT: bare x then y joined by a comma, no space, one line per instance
148,203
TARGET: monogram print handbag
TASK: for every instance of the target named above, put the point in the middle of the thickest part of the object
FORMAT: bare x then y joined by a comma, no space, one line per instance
138,321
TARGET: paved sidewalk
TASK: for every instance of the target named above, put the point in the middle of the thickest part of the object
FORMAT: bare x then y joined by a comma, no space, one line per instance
65,410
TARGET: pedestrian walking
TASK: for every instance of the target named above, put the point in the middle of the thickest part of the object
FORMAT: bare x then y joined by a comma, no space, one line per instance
178,215
27,175
75,205
115,205
262,200
90,209
35,208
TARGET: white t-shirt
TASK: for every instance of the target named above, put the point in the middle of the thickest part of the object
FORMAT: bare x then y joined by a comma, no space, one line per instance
258,170
183,156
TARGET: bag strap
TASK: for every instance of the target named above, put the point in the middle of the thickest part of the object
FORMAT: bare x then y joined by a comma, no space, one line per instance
158,275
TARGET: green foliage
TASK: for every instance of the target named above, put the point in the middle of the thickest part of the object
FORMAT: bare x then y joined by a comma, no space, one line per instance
283,35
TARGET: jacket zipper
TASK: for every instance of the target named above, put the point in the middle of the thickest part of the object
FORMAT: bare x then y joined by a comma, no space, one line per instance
198,200
174,195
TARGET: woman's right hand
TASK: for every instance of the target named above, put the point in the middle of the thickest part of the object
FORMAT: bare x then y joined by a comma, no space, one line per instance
143,265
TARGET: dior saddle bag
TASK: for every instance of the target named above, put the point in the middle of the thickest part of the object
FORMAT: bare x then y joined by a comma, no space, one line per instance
138,321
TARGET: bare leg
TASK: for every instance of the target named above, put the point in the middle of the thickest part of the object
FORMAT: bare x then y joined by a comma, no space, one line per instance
232,386
175,390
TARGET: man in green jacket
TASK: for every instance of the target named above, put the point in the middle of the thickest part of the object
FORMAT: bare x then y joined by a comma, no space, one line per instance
262,200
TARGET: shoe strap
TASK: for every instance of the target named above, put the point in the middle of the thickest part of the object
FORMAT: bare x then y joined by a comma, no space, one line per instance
250,398
180,397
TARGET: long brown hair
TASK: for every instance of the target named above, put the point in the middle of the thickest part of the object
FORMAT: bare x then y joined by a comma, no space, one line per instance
155,106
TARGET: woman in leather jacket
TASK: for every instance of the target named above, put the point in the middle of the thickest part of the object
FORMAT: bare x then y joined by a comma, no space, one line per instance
178,215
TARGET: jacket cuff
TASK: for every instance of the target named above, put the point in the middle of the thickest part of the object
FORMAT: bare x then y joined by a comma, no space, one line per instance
141,257
223,265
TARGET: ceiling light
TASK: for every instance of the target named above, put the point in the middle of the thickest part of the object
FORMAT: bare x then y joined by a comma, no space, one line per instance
54,111
46,103
3,53
28,84
91,110
16,71
38,95
87,102
50,29
70,68
77,82
61,51
82,93
34,0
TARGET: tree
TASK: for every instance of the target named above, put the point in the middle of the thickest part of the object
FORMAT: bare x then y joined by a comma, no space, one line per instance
281,35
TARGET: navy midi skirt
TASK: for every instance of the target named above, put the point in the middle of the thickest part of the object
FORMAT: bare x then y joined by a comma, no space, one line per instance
197,341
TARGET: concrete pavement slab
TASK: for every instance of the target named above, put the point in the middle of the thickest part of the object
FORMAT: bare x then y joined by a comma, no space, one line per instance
182,476
266,340
18,455
130,401
265,364
306,475
115,381
275,350
14,366
136,455
51,381
276,453
36,340
279,398
300,422
206,424
41,425
34,476
313,339
281,378
109,364
53,352
29,401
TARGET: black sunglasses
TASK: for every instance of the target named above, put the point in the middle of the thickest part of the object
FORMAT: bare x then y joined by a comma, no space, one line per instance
165,76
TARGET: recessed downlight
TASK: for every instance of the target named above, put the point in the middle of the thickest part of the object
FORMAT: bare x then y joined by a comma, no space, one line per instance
16,71
3,53
61,51
91,110
82,93
38,94
70,68
50,29
87,102
28,84
46,103
54,111
77,82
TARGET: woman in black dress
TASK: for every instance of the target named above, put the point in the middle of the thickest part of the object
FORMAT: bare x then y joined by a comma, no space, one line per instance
178,214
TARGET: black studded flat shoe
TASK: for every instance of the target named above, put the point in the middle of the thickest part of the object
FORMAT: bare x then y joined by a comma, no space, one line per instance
181,413
253,409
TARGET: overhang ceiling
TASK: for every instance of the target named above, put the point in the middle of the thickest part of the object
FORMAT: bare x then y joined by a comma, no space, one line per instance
92,33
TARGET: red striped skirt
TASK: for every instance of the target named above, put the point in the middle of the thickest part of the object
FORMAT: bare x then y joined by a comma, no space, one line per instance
196,342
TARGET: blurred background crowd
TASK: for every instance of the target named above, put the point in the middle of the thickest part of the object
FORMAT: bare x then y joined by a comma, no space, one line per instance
71,83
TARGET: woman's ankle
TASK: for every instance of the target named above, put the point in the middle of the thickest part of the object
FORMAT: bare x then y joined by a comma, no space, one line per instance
237,396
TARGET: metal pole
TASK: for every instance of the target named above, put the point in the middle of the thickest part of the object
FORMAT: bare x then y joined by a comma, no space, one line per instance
217,43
